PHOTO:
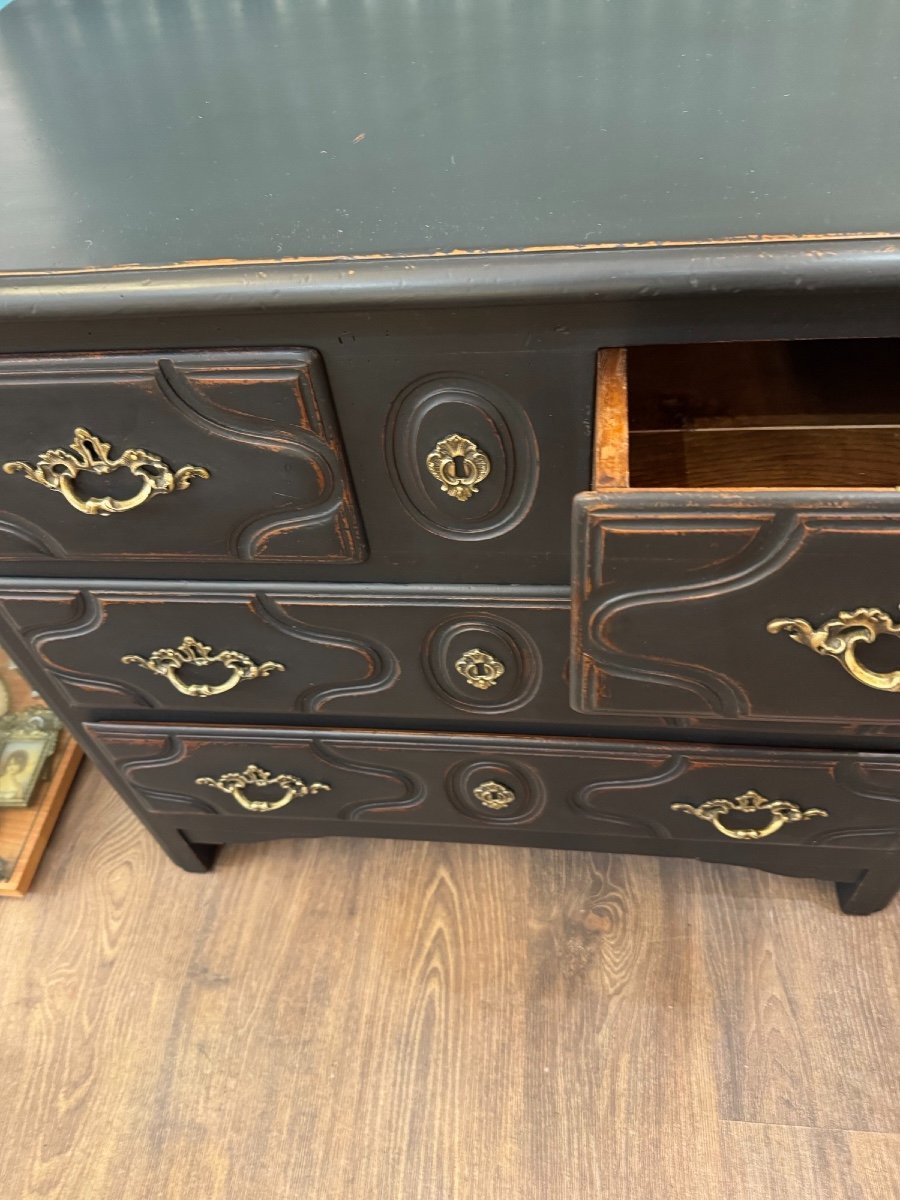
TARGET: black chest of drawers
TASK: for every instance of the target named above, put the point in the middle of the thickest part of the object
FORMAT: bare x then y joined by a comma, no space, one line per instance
391,539
660,704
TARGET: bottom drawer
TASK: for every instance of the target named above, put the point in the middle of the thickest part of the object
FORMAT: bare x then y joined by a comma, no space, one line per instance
327,778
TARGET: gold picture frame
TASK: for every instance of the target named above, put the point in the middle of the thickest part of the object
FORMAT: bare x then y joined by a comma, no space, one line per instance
27,741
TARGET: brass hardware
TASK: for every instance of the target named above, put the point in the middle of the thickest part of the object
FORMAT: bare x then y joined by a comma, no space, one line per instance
167,663
494,795
783,811
443,460
839,638
234,782
58,469
479,669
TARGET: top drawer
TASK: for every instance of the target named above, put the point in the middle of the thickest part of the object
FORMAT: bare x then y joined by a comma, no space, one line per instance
207,457
738,554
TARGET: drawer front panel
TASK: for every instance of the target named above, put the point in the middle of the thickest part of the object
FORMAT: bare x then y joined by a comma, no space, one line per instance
699,606
618,790
396,653
466,453
212,457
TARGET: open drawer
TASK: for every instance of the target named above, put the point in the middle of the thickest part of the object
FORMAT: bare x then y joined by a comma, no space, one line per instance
739,555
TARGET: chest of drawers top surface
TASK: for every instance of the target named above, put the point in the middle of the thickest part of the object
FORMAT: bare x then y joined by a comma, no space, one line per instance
138,135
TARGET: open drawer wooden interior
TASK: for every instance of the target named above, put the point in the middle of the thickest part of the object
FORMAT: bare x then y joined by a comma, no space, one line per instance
737,556
762,414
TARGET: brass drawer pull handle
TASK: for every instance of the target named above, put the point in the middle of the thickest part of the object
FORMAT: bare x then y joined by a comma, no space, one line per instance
58,469
783,811
444,461
491,794
234,782
168,662
479,669
839,638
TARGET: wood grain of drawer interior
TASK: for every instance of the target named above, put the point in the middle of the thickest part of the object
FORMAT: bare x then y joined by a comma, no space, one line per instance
753,414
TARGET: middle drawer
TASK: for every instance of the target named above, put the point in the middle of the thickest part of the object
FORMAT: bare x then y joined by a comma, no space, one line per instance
391,651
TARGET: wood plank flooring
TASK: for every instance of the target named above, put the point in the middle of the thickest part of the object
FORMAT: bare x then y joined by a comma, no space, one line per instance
351,1020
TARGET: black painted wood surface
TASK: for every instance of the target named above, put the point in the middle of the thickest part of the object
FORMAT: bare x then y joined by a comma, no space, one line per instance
571,786
353,655
389,652
310,130
260,427
673,592
452,209
279,501
588,795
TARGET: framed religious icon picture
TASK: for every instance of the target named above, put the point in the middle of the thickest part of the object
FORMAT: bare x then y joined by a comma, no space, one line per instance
27,741
38,761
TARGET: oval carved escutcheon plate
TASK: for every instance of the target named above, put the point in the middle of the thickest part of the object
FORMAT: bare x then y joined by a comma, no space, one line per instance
448,652
423,417
496,792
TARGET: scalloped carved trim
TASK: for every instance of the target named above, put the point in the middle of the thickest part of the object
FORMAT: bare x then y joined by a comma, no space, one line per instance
30,536
382,666
774,544
880,838
312,440
414,789
589,799
87,618
431,409
519,656
172,800
273,407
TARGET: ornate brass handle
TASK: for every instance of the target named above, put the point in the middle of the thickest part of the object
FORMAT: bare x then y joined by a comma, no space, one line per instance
839,639
234,782
449,455
479,669
168,662
58,469
783,811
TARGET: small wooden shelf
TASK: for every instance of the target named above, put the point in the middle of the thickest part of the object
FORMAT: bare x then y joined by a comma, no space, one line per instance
24,832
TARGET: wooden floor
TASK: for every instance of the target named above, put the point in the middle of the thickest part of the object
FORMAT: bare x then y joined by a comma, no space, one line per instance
398,1021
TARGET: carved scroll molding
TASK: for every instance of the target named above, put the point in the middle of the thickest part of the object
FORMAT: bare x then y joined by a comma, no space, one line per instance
312,441
423,419
600,656
515,650
248,417
591,798
380,668
161,770
86,616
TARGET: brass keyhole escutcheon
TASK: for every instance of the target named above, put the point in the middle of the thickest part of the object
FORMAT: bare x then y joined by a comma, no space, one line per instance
782,812
494,795
479,669
459,466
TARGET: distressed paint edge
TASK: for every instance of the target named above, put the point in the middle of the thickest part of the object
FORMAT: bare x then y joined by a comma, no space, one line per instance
515,278
748,239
